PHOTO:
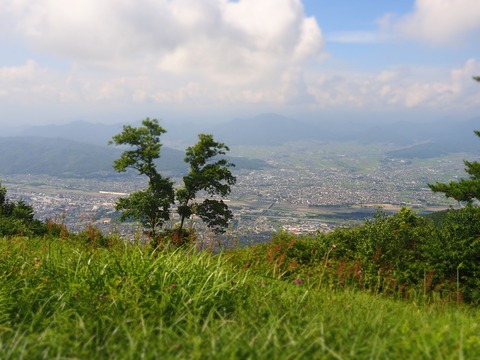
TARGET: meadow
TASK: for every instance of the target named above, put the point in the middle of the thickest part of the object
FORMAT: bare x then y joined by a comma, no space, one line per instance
88,296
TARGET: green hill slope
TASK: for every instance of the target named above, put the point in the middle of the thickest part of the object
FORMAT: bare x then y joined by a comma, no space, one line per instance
65,299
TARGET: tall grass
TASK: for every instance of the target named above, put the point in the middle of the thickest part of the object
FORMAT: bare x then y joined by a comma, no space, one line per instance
60,298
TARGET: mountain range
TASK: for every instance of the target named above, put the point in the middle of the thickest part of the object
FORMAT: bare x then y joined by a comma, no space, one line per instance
68,158
273,129
80,148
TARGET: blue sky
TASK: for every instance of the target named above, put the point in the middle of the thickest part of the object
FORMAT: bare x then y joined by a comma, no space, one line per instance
114,61
343,18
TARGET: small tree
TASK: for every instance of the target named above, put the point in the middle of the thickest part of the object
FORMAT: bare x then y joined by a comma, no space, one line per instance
210,174
9,208
150,206
3,194
18,217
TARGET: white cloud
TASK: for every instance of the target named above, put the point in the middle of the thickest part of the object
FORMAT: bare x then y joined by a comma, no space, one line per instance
192,54
18,73
218,40
459,92
357,37
435,22
399,89
30,86
183,53
441,22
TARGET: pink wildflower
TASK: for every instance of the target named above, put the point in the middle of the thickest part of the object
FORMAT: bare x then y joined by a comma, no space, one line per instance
298,281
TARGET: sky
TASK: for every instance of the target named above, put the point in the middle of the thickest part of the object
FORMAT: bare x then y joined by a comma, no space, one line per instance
120,61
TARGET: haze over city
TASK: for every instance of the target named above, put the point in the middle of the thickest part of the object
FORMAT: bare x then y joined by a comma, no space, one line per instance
215,60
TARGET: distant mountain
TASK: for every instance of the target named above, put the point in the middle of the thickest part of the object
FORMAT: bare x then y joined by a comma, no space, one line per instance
273,129
426,139
100,134
66,158
80,131
442,138
59,157
265,129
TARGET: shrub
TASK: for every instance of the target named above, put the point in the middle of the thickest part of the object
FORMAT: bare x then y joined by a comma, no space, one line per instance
459,250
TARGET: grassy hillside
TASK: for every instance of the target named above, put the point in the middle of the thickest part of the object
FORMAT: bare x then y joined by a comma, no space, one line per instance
69,298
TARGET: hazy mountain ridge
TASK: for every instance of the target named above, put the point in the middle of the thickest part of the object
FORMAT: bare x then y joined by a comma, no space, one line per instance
79,148
35,155
275,129
62,157
442,138
265,129
435,138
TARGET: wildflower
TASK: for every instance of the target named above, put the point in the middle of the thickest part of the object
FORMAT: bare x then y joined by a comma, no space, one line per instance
359,272
101,296
334,246
298,281
172,286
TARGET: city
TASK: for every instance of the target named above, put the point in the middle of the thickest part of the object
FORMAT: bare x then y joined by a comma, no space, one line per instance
295,193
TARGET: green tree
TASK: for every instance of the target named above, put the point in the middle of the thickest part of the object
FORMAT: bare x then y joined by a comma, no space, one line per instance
465,189
18,217
3,195
5,204
150,206
23,211
210,174
7,207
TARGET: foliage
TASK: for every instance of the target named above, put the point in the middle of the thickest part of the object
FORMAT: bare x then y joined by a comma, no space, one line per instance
401,255
458,250
3,195
18,217
465,189
145,141
152,205
65,299
211,175
92,236
144,205
397,242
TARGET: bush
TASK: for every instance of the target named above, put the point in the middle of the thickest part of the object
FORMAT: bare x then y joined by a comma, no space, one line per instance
405,254
459,250
17,218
